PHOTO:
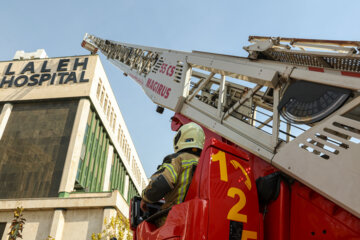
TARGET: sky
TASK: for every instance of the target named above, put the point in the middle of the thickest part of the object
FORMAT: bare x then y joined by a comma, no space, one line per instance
206,25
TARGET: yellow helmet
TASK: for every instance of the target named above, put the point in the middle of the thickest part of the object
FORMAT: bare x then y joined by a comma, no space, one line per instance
190,135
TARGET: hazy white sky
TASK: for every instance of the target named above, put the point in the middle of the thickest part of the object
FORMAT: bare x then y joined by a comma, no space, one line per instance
206,25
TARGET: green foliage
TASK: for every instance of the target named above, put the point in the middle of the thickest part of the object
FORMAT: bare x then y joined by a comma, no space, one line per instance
17,224
118,227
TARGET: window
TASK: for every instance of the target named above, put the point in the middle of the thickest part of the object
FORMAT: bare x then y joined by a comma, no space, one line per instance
118,135
132,191
33,148
111,118
98,90
128,152
91,169
2,229
118,174
105,104
136,170
108,111
122,141
102,96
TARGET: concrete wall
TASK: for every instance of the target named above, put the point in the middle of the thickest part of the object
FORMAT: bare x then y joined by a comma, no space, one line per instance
37,224
81,223
76,217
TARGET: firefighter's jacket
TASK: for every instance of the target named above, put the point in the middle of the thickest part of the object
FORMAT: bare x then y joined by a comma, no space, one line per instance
172,179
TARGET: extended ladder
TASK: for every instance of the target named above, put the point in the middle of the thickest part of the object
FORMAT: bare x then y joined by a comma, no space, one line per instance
296,109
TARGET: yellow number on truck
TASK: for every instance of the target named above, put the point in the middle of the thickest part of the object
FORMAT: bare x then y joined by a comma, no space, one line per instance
234,211
220,156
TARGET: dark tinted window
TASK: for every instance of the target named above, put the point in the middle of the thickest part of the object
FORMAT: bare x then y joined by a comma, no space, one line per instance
2,229
91,170
118,174
33,148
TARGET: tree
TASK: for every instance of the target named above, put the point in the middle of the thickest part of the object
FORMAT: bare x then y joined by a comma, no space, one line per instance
17,224
117,228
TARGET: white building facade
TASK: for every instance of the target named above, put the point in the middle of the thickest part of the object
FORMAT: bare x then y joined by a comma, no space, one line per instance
66,155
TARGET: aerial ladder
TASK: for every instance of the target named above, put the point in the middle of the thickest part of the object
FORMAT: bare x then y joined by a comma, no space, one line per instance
294,103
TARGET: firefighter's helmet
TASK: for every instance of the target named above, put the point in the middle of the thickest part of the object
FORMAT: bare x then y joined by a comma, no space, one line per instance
190,135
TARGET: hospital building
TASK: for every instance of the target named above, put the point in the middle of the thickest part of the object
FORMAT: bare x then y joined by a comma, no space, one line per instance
66,155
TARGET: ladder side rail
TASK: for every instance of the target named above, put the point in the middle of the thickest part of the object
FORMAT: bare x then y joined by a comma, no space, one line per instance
266,72
260,71
311,41
330,79
345,50
342,53
102,43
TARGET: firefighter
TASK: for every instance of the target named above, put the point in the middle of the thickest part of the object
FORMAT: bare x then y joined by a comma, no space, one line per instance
173,177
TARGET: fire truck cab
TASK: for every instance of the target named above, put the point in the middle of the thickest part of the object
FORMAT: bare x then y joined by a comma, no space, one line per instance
221,200
237,196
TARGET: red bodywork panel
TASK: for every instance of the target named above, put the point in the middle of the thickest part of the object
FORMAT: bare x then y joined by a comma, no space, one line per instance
222,189
223,199
277,218
314,217
177,223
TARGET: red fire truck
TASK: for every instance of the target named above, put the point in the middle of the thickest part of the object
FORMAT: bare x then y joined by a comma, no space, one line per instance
281,159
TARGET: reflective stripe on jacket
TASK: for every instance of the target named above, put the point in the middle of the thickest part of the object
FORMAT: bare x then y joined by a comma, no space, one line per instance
178,173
